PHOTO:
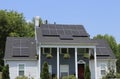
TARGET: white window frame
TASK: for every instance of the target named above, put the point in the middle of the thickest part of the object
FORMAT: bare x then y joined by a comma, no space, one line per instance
19,69
103,68
64,71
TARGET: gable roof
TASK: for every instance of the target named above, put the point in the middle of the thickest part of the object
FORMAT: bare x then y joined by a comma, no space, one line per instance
61,34
20,48
103,49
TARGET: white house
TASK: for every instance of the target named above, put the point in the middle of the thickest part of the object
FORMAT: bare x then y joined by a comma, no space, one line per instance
26,56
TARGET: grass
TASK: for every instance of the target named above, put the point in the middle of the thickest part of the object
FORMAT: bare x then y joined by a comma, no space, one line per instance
0,75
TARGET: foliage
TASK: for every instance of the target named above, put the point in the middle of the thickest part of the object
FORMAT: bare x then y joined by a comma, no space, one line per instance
22,77
5,72
49,55
86,55
118,65
66,55
111,71
87,72
69,77
0,75
55,77
117,75
45,73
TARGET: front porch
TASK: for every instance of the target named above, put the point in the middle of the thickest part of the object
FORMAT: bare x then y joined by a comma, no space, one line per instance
73,65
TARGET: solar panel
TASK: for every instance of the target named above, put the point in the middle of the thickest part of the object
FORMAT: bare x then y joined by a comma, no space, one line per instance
45,32
66,37
53,32
102,51
21,49
24,52
57,30
68,32
16,52
60,32
16,43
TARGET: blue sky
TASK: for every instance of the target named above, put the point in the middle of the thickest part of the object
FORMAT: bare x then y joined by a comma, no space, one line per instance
97,16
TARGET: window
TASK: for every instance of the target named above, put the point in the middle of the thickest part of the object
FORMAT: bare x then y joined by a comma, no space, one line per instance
21,69
46,50
50,69
64,70
64,50
103,70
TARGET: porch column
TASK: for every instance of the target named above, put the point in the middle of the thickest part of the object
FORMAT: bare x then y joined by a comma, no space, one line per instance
95,60
76,65
58,70
39,62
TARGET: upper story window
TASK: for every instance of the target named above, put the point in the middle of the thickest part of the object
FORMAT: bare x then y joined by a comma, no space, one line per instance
64,50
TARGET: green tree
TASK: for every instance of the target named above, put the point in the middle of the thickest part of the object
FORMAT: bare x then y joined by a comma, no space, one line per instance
87,72
45,72
5,72
13,24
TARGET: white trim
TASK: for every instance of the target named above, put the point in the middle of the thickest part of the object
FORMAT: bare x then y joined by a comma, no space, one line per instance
39,62
68,46
95,60
58,68
81,62
76,65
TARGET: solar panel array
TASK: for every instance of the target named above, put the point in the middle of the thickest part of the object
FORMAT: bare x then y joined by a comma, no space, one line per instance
20,48
102,51
59,30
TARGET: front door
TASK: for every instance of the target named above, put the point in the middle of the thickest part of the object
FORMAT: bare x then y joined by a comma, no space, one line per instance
80,71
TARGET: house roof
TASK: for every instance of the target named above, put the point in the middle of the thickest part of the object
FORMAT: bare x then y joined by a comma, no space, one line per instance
62,34
103,49
20,48
24,48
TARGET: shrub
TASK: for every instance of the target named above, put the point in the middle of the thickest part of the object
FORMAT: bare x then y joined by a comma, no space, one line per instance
87,72
45,73
118,75
5,72
69,77
21,77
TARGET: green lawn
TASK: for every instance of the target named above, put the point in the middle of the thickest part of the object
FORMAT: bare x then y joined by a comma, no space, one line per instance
0,75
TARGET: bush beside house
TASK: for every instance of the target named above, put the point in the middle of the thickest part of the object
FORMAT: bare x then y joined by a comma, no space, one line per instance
0,75
45,73
87,72
5,72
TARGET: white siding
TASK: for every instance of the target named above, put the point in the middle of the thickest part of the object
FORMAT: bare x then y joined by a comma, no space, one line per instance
99,62
31,69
